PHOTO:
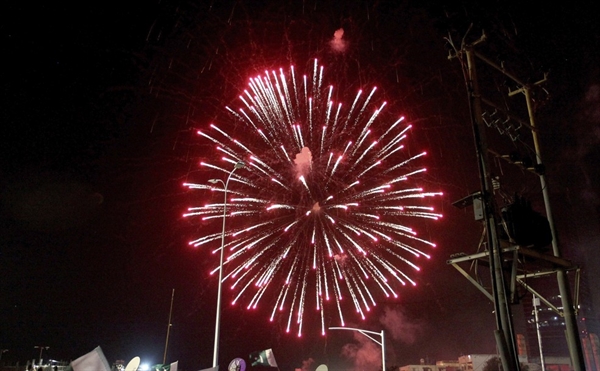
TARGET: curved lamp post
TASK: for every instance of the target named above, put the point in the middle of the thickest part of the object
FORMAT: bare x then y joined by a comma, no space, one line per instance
238,165
368,334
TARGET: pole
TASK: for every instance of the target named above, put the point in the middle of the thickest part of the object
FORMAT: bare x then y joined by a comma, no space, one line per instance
238,165
569,309
383,351
504,334
168,327
572,332
41,347
536,303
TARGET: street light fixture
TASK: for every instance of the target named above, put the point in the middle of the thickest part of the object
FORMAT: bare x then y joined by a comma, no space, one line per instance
368,334
238,165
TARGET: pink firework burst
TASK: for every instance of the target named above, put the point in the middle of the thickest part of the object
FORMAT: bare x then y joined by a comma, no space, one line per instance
319,218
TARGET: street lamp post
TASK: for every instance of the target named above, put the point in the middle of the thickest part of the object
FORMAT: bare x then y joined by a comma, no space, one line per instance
369,334
41,348
238,165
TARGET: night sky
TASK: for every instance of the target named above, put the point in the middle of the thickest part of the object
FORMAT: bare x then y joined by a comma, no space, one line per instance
100,104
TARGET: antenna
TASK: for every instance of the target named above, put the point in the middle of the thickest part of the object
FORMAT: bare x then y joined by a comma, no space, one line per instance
168,328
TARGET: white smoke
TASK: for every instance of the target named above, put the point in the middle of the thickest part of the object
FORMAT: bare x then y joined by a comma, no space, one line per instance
588,141
307,365
399,327
592,98
364,353
338,44
303,162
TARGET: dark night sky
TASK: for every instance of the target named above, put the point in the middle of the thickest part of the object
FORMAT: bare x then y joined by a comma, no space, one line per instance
99,106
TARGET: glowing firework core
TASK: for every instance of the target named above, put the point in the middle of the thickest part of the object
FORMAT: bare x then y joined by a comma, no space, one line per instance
323,212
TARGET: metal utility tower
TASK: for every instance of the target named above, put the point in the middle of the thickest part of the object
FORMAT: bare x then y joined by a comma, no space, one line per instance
503,253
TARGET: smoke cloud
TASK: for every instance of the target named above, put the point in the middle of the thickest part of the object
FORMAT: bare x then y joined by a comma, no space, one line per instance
303,162
588,143
399,327
307,365
338,44
365,354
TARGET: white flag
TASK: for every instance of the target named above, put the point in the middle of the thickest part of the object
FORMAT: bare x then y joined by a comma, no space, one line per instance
174,366
92,361
263,358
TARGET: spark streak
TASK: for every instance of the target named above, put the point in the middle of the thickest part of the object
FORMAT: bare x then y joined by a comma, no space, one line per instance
324,209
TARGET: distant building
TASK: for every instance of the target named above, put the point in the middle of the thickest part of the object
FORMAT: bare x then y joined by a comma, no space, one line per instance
474,362
552,364
551,341
477,362
448,365
419,367
452,365
591,351
522,345
546,335
550,324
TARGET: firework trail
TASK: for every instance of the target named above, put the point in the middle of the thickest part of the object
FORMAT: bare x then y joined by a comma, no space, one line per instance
319,216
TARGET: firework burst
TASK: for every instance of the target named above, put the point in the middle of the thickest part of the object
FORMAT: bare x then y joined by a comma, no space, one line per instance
320,215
